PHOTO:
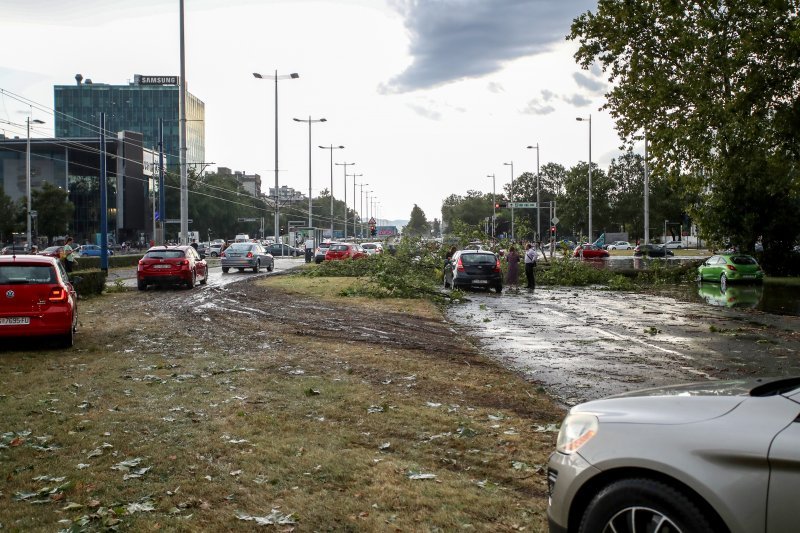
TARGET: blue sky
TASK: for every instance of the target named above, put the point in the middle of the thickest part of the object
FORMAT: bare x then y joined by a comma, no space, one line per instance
428,97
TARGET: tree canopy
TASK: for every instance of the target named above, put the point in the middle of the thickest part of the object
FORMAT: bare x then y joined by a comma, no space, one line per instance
418,225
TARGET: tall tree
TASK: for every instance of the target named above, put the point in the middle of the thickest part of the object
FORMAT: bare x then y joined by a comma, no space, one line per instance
717,85
53,210
418,225
8,217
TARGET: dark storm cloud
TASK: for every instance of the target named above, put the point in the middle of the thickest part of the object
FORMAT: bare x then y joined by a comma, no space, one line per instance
457,39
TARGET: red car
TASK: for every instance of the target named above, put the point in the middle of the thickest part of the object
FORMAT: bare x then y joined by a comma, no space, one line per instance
37,299
343,250
171,265
589,251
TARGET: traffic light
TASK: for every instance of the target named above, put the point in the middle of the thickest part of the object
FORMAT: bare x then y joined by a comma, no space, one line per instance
553,229
500,205
373,231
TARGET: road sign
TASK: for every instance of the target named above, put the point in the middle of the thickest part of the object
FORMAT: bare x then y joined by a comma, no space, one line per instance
372,221
176,221
522,205
554,220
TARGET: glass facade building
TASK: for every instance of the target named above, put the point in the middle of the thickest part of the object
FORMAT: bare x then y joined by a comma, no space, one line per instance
137,107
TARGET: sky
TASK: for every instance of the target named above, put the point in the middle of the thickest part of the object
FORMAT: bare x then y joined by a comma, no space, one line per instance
429,97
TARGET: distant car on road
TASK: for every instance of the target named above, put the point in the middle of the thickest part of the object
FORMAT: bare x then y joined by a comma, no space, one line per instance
14,249
243,255
675,245
38,299
372,248
619,245
590,251
214,249
730,267
319,253
171,265
53,251
93,250
344,250
711,456
475,269
651,250
283,250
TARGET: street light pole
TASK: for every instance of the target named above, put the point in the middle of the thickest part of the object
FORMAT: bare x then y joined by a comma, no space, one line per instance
344,217
538,205
354,176
494,208
580,119
331,148
309,121
28,177
292,76
361,206
646,194
512,198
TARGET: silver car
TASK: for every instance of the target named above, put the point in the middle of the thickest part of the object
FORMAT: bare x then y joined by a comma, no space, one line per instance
243,255
716,456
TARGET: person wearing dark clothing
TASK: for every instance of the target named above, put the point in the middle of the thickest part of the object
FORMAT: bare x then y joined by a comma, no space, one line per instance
512,277
530,263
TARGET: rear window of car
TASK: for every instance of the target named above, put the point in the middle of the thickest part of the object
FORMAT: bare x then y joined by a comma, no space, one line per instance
241,246
164,254
478,259
26,274
339,247
368,246
743,260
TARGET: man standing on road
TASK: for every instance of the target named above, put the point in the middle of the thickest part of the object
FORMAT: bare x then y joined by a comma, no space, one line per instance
309,249
530,262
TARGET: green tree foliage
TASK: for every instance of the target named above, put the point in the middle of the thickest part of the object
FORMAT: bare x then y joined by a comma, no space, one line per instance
53,210
471,209
717,87
8,217
418,225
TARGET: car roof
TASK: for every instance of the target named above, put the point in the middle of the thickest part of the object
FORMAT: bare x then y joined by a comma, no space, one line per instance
165,247
24,258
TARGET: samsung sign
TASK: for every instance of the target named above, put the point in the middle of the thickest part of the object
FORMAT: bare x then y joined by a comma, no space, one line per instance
155,80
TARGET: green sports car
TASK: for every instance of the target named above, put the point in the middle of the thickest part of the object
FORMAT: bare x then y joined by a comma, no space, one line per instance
730,267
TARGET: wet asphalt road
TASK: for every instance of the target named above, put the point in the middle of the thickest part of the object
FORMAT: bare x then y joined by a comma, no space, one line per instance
582,343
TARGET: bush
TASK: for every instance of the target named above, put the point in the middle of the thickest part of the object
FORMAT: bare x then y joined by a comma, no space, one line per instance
88,282
114,261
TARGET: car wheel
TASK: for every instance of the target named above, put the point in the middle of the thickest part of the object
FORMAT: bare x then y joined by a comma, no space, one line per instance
630,505
270,267
679,247
141,285
214,254
257,267
192,282
205,279
225,270
68,340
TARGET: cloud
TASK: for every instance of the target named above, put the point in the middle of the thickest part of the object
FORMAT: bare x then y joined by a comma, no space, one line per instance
457,39
547,95
431,114
592,84
577,100
495,87
535,107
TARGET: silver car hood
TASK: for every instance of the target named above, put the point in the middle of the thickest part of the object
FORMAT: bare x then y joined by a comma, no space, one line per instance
682,404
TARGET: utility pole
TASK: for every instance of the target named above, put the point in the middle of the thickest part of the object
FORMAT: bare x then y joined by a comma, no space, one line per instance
344,217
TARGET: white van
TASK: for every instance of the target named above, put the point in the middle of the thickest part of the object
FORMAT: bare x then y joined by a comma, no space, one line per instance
242,237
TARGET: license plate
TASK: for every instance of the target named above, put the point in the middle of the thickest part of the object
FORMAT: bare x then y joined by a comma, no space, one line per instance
480,282
162,266
15,321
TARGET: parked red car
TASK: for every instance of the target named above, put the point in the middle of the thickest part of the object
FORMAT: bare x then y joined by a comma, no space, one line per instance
171,265
37,299
342,250
590,251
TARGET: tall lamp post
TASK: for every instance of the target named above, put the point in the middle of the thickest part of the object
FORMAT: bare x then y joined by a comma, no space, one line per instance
538,206
354,176
494,208
512,198
361,206
344,217
581,119
309,121
292,76
28,177
331,148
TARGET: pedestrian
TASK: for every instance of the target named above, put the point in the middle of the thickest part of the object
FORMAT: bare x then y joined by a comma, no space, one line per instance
309,249
34,249
448,267
512,277
194,245
530,263
69,255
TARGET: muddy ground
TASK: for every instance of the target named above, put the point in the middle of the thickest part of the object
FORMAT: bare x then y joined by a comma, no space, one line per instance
583,343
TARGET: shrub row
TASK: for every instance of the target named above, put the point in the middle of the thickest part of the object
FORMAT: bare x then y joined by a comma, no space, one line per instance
88,282
114,261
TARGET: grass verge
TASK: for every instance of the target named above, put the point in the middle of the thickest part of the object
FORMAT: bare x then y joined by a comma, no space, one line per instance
186,412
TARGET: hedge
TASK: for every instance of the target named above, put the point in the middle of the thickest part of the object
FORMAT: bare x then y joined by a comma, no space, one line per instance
114,261
88,282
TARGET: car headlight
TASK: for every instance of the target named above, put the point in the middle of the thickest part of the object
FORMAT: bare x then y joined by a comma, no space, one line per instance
576,430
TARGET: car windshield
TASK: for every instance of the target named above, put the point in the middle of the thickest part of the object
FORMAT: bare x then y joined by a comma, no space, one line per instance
478,259
26,274
743,260
164,254
339,247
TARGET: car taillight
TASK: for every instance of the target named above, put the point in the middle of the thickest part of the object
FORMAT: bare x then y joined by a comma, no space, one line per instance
222,254
497,266
249,255
730,267
57,294
460,265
